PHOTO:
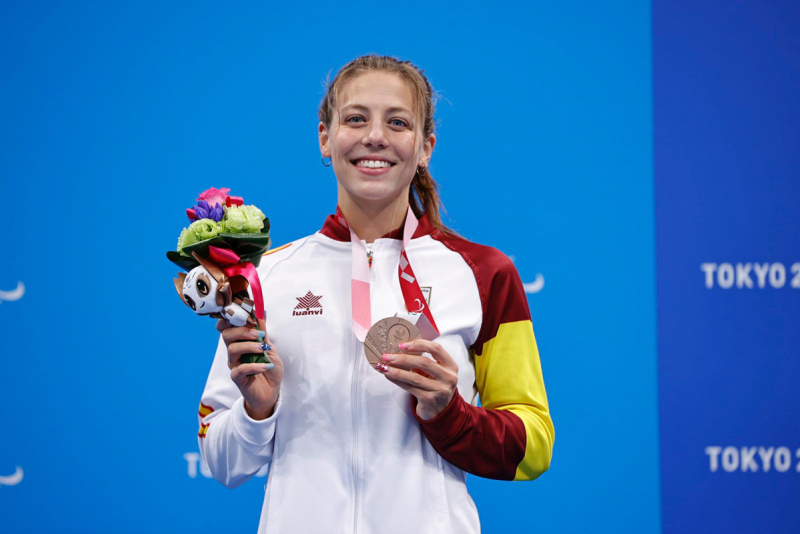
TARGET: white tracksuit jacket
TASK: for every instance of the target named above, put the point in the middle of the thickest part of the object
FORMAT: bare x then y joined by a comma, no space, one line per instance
345,450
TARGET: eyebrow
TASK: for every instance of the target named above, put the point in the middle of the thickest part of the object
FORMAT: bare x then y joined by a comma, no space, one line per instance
364,108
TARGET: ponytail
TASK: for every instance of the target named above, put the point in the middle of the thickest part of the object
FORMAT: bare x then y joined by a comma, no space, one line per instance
423,197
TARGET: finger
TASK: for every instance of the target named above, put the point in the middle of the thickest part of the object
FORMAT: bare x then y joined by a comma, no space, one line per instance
432,348
417,392
427,398
276,359
245,347
240,348
272,354
241,372
222,324
240,333
412,362
412,379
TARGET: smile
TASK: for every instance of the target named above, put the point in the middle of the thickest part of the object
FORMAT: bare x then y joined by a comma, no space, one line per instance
372,163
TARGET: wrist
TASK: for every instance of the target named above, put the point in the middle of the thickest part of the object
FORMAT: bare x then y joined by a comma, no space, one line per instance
426,413
259,413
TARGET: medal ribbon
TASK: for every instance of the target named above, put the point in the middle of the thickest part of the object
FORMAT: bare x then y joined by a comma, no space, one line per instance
360,284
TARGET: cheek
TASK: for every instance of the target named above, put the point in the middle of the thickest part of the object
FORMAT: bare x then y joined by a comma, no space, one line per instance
406,147
343,142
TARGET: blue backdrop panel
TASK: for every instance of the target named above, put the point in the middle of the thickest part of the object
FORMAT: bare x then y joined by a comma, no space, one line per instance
727,192
115,116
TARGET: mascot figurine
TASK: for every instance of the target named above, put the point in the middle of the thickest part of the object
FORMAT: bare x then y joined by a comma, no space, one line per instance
221,249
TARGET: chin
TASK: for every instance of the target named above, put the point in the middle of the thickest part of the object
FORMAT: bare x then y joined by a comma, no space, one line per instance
374,192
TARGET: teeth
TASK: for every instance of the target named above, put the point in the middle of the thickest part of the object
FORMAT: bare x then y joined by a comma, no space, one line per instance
372,164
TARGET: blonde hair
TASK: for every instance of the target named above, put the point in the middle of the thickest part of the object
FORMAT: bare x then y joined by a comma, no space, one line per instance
423,197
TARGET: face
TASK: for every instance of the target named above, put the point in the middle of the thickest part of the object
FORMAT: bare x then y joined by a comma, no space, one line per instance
199,291
375,139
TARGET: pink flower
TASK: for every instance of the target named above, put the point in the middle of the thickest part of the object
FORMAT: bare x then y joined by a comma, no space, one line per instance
214,196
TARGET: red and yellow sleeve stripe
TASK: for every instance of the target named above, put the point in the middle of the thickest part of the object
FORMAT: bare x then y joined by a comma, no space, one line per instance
509,437
202,412
509,378
274,250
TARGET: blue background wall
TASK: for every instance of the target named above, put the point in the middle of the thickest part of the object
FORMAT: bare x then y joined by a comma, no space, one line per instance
727,190
113,118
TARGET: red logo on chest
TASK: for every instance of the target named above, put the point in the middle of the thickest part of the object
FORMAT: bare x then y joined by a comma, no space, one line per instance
308,305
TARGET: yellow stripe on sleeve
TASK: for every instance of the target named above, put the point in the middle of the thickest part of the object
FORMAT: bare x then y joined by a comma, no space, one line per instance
509,377
204,410
267,253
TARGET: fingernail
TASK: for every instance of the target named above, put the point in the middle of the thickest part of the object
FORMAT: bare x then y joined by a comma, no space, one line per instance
382,367
257,333
266,366
265,347
403,346
389,357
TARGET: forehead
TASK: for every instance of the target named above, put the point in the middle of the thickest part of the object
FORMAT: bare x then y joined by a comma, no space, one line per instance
377,90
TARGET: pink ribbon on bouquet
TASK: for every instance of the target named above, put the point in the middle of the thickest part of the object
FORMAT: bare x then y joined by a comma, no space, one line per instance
228,260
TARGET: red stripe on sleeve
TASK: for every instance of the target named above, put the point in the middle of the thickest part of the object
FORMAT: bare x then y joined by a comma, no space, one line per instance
487,443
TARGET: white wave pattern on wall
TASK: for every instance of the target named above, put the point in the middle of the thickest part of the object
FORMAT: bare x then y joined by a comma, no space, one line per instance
12,480
14,294
535,286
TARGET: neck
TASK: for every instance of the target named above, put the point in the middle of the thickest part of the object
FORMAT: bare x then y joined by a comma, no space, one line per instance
371,220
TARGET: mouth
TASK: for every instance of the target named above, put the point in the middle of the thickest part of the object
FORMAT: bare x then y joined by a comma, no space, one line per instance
372,163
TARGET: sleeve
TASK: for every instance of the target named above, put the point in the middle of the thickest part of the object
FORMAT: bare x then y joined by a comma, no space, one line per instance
233,445
510,437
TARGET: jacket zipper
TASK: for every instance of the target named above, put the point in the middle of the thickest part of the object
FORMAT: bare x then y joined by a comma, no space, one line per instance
354,393
355,405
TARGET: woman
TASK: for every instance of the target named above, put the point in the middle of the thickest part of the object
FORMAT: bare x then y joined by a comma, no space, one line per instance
352,448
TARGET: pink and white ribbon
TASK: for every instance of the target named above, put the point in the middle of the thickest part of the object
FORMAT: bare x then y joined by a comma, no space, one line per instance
417,307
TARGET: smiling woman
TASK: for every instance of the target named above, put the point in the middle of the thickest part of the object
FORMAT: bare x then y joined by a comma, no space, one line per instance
374,145
380,446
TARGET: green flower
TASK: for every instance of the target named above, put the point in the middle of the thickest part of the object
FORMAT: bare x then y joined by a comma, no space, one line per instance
205,229
243,220
186,238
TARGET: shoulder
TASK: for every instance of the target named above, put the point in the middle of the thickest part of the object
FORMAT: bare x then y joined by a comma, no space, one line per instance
487,263
279,254
503,297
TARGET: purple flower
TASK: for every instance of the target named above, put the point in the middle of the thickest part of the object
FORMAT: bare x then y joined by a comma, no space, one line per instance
204,211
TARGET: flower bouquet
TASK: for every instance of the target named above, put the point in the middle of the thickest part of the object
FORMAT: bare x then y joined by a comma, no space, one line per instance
221,249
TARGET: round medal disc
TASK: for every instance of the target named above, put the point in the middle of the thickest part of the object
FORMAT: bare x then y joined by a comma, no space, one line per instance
385,335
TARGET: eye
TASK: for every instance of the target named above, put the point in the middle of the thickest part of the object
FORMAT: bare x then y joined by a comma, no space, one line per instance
202,288
191,303
399,122
355,119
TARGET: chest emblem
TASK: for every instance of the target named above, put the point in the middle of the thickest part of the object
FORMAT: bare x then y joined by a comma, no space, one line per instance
308,305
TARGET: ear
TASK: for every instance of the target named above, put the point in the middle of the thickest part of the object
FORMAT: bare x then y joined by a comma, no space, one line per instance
179,285
324,139
211,267
427,150
223,297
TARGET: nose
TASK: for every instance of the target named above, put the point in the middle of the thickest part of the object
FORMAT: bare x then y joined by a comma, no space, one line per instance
375,136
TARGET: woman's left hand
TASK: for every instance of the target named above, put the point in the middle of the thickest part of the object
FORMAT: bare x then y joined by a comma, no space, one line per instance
435,386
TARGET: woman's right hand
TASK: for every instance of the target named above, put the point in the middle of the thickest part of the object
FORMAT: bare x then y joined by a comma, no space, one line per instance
259,386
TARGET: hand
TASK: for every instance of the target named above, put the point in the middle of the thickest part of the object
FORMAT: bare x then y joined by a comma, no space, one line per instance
259,386
433,383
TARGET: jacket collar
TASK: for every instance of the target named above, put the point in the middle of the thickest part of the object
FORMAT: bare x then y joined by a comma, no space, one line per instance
335,230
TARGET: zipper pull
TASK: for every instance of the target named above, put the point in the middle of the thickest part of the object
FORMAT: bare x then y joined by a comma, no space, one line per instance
369,254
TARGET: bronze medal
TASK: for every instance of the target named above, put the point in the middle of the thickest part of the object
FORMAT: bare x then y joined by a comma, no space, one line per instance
385,336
